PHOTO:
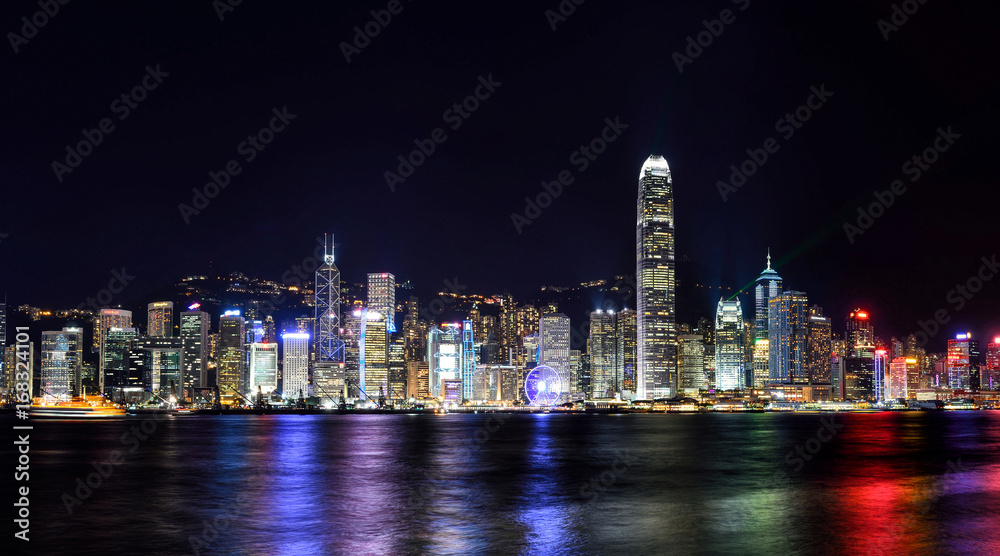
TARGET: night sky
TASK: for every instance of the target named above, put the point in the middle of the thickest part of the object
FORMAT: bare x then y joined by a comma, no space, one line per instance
324,172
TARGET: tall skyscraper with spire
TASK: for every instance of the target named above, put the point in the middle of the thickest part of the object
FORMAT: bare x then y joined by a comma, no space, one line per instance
328,376
768,286
656,375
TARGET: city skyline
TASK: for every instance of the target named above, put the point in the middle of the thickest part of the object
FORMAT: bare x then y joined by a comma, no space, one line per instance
567,277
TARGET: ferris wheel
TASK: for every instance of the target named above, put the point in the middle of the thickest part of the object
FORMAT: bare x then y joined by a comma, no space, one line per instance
542,386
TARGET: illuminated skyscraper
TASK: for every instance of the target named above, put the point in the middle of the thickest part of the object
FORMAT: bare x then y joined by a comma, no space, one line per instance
768,286
788,330
553,348
991,371
880,386
414,332
162,362
295,371
601,346
397,367
468,360
963,362
329,347
263,369
194,347
690,364
60,363
373,347
382,297
107,318
117,343
232,334
656,308
444,353
860,338
904,378
729,330
627,356
160,319
820,356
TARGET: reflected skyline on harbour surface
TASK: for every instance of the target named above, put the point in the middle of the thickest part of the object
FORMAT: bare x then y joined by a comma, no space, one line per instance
398,484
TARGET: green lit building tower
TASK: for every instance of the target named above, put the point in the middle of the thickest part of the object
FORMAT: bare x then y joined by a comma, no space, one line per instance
656,375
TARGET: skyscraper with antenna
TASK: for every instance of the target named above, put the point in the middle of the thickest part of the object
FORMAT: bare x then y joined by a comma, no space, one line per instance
328,375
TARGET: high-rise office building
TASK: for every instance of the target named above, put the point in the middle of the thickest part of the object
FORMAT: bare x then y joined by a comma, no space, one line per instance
690,364
107,318
270,330
761,362
417,379
115,347
160,319
350,334
991,370
788,330
397,367
194,348
373,347
627,351
22,352
444,354
162,365
963,362
295,368
655,281
263,369
603,350
860,338
231,365
414,332
729,341
553,348
329,346
904,378
768,286
61,364
820,337
575,374
468,360
879,375
382,297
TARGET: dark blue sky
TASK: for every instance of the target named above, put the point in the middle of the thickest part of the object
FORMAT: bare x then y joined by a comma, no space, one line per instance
325,170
